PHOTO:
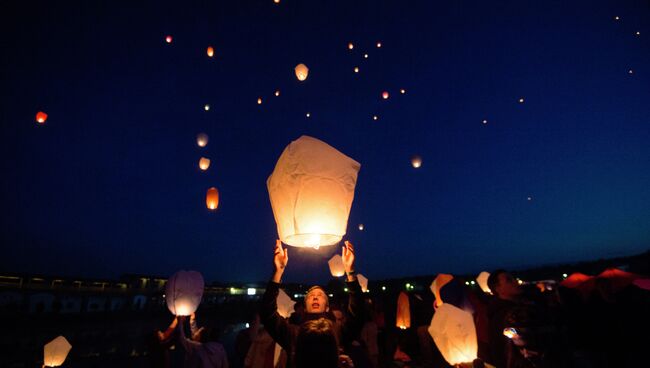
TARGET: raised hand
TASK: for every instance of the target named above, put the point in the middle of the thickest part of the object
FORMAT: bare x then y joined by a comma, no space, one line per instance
280,260
348,257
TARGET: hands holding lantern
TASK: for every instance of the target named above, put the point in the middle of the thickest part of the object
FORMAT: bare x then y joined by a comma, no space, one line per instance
281,258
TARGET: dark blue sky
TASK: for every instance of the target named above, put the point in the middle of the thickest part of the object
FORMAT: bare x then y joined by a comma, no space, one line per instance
110,183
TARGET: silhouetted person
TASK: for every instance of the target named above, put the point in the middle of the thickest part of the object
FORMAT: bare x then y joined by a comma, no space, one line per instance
507,295
317,346
203,350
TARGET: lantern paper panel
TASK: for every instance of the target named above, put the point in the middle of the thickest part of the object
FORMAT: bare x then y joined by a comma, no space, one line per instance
311,191
301,72
212,199
403,316
437,284
482,282
285,304
363,282
183,292
336,266
454,333
55,352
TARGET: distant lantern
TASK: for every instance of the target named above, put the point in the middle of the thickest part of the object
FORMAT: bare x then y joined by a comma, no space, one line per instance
183,292
617,18
55,352
363,282
301,72
529,198
378,44
212,198
482,282
336,266
276,1
454,333
202,140
402,91
277,93
285,304
437,284
308,115
206,107
259,100
204,163
521,100
416,161
484,121
365,56
311,191
41,117
375,117
210,51
361,227
168,39
385,95
356,69
630,71
638,33
403,316
350,46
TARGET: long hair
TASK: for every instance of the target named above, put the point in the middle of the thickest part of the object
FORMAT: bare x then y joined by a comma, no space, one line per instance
316,345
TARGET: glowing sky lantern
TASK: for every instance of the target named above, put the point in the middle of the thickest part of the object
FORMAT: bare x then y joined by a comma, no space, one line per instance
336,266
521,100
259,100
363,282
356,69
403,316
183,292
437,284
210,51
55,352
311,191
301,72
385,95
375,117
361,227
276,1
204,163
454,333
212,199
481,279
206,107
168,39
416,161
202,140
350,46
41,117
277,93
402,91
378,44
285,304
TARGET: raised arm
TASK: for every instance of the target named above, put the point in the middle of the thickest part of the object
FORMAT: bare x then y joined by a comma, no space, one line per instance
188,344
355,320
172,326
276,325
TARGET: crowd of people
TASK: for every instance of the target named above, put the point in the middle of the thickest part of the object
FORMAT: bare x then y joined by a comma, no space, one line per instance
517,326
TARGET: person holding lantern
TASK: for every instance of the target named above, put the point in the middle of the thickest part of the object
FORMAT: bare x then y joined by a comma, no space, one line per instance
316,305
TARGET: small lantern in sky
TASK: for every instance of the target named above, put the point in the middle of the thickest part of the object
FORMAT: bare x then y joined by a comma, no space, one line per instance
285,304
206,107
617,18
311,191
336,266
378,44
204,163
259,100
210,51
212,198
168,39
365,56
308,115
484,121
276,1
301,72
350,46
481,279
363,282
385,95
41,117
356,69
402,91
416,161
437,284
454,333
55,352
361,227
403,316
375,117
277,93
202,140
183,292
521,100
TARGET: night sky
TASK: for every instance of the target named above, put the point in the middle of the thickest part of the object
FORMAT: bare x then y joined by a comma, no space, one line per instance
110,183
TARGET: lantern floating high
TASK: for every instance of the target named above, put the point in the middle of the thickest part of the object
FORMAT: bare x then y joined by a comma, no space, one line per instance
301,72
210,51
416,161
336,266
481,279
454,333
41,117
168,39
385,95
206,107
361,227
350,46
402,91
378,44
277,93
311,191
212,199
356,69
202,140
403,316
55,352
204,163
259,100
183,292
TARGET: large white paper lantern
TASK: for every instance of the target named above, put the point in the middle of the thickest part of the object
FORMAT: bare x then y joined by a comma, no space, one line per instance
55,352
183,292
454,333
311,191
481,279
285,304
336,266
